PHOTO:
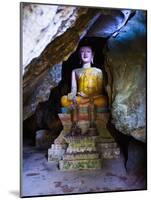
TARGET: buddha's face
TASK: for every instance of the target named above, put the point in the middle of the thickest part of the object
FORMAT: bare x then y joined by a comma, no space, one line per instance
86,54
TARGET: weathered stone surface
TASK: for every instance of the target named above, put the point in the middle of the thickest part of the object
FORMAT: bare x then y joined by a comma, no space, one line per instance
81,144
126,59
109,24
43,89
106,144
108,150
67,165
139,134
43,139
42,24
81,156
81,153
56,152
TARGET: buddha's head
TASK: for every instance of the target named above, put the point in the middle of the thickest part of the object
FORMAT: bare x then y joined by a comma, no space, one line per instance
86,54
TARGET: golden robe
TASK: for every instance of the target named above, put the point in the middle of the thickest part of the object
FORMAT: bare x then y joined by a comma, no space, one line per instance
89,86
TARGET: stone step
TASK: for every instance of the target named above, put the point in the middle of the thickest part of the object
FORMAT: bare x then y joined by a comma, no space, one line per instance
106,145
74,165
81,139
81,156
108,150
110,153
106,140
56,152
81,149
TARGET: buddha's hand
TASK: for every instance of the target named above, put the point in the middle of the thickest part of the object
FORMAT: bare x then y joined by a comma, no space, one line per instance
71,96
82,94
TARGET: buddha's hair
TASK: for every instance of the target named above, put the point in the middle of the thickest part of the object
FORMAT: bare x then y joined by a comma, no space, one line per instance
85,45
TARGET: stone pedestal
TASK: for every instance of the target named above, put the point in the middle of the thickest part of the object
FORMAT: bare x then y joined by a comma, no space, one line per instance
81,154
83,151
106,144
57,150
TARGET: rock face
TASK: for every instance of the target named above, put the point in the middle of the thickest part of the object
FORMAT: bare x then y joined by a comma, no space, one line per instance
109,24
43,139
126,59
42,91
41,24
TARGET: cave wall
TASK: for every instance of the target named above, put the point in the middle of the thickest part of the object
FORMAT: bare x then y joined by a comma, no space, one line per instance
41,25
43,89
126,59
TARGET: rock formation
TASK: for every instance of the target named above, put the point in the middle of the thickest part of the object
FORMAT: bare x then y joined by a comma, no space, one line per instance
126,59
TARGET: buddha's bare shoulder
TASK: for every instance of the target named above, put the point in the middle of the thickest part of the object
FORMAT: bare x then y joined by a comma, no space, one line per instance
77,70
97,69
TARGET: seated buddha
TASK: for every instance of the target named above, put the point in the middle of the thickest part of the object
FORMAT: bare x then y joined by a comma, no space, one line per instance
86,85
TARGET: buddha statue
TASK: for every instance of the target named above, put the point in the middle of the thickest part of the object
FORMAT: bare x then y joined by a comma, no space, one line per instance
86,89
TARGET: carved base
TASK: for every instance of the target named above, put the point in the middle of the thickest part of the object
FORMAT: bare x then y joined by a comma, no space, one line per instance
108,150
80,154
84,151
56,152
67,165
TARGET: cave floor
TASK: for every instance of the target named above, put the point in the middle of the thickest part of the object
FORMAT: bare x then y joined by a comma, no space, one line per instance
42,178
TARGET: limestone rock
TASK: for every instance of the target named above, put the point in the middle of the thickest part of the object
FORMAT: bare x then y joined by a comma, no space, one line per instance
43,139
109,24
43,90
126,59
41,24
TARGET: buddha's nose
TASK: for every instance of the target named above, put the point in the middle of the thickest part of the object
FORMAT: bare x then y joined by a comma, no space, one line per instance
85,55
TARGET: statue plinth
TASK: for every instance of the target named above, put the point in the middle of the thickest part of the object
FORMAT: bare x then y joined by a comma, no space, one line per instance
86,150
81,154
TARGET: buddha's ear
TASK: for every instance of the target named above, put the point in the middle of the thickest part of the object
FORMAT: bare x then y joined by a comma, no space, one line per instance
92,60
